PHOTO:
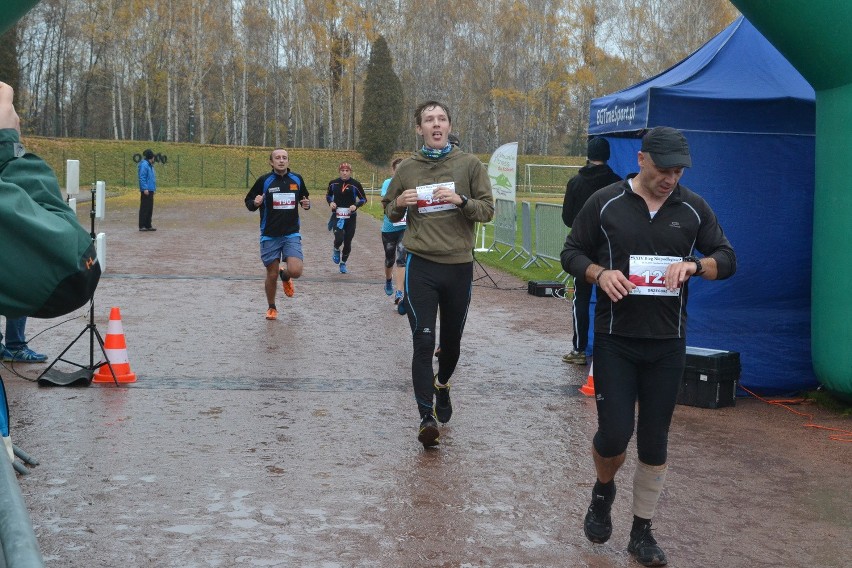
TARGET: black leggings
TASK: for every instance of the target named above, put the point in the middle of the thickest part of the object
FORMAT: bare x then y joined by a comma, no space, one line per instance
428,287
344,237
627,370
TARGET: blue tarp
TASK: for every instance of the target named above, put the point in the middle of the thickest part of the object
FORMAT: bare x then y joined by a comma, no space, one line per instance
749,118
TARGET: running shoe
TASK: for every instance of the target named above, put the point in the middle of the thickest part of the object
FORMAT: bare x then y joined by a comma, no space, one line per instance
287,285
428,433
25,355
335,256
343,269
443,406
389,287
400,307
271,314
644,547
398,298
598,522
575,357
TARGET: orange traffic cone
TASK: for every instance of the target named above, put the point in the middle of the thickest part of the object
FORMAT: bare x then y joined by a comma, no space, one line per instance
589,388
116,352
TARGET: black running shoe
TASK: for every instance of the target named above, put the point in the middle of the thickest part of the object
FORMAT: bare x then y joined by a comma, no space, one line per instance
644,547
428,433
598,522
443,406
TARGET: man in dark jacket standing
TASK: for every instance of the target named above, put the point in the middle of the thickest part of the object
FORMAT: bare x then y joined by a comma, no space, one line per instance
591,177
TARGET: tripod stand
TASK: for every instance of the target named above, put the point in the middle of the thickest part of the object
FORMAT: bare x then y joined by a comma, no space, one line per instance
83,376
484,272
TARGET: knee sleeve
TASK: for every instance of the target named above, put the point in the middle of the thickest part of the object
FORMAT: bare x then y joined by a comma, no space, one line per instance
390,254
648,483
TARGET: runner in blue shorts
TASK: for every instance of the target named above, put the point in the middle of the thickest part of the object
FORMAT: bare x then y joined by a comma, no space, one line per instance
277,195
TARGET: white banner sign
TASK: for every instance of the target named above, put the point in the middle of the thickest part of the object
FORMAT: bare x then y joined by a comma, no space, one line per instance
503,171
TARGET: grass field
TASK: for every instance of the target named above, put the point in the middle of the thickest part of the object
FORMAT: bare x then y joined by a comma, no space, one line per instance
236,167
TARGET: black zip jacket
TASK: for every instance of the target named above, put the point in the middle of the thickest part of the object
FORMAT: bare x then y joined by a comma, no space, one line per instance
279,211
588,180
615,223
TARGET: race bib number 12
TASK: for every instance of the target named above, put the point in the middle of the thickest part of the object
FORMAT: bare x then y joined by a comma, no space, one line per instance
648,273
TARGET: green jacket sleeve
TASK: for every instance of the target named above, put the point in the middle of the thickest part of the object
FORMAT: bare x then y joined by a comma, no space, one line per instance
48,266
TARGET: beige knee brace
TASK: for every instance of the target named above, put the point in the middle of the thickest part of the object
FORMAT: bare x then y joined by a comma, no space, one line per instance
647,486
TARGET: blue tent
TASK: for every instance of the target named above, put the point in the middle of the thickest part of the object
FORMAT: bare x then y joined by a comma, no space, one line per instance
749,118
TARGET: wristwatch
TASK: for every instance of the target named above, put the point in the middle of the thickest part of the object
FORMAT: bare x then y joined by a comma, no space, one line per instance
464,202
697,262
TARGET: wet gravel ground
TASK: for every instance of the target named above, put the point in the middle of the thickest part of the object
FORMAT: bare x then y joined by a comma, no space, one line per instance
252,443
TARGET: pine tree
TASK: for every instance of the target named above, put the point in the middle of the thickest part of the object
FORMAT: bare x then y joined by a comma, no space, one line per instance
382,114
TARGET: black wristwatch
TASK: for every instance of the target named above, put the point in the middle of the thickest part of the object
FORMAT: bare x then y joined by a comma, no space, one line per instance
464,202
697,262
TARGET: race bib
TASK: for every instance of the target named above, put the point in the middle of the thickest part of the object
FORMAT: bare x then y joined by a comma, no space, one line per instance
402,222
648,272
283,200
426,203
343,212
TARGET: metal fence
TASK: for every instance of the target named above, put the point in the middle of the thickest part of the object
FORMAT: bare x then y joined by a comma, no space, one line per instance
17,538
504,225
550,231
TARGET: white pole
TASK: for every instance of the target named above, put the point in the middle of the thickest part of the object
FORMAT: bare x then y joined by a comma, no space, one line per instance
72,177
100,197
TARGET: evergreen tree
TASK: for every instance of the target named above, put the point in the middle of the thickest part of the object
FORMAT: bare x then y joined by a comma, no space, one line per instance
382,113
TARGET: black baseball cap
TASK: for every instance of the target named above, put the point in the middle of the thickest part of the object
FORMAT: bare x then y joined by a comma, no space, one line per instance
668,147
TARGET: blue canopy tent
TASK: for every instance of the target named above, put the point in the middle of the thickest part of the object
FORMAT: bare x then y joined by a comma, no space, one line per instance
749,118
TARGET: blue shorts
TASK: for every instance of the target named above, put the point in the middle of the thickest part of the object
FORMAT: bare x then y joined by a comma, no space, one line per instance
280,248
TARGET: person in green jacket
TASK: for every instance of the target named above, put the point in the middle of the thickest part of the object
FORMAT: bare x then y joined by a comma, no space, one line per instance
48,265
444,192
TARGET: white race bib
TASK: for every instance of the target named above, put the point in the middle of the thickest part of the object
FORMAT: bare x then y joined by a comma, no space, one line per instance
283,200
648,273
343,212
426,203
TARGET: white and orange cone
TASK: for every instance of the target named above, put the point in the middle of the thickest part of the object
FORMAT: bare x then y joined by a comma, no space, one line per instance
116,352
589,388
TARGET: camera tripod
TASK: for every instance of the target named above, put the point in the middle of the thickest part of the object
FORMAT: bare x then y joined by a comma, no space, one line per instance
85,373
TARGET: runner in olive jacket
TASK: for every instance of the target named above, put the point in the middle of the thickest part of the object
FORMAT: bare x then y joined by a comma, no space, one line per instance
445,237
48,266
445,193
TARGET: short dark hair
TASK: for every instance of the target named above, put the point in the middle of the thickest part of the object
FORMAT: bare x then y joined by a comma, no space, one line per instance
427,105
276,149
148,154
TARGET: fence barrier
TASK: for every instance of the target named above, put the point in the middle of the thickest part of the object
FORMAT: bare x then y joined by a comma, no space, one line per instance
20,548
550,233
504,225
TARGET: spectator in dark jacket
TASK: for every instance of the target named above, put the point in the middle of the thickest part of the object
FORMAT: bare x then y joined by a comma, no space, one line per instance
591,177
